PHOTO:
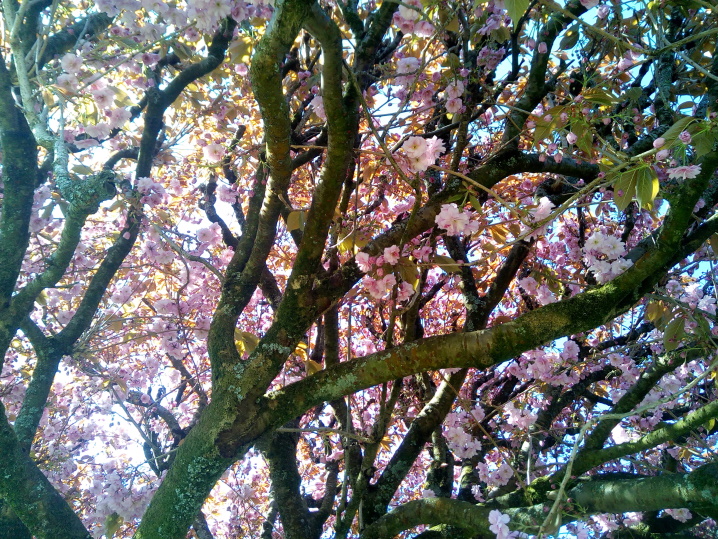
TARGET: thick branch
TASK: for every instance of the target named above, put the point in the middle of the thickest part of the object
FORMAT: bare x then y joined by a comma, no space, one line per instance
485,348
35,501
697,491
286,486
66,39
246,267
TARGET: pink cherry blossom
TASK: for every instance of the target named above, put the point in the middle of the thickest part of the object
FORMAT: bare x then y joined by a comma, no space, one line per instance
71,63
363,261
454,221
214,152
544,209
392,254
684,172
104,97
118,117
318,105
411,14
378,288
405,292
454,105
68,82
454,89
681,515
423,152
415,147
409,64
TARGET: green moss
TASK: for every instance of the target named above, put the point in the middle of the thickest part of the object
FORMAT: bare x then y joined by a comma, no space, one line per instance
704,480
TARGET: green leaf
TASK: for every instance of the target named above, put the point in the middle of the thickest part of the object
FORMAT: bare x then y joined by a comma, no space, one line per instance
585,136
704,328
82,169
446,263
554,286
655,312
499,233
296,220
245,341
676,129
500,35
112,524
713,242
570,38
516,9
600,96
128,43
240,51
624,188
351,241
182,51
673,333
453,26
632,94
409,271
704,138
646,187
347,243
544,128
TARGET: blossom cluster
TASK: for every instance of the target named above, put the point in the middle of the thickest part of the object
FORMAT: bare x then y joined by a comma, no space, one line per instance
538,214
681,515
495,477
521,418
676,171
496,16
542,293
454,91
423,152
490,58
461,443
382,283
407,19
406,69
603,253
214,152
455,222
684,172
499,525
153,193
546,366
692,295
317,104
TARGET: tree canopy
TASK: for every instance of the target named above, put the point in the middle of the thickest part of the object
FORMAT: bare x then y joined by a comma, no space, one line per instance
325,268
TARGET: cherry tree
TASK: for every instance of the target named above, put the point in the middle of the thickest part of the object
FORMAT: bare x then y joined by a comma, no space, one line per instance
316,268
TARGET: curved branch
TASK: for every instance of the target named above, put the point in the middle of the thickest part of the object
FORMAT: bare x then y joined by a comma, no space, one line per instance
432,511
484,348
246,267
67,38
286,486
33,498
697,491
